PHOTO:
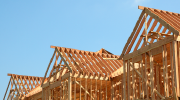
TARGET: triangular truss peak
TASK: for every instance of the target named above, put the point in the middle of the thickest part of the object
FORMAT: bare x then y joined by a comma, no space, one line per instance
153,25
21,85
104,51
82,62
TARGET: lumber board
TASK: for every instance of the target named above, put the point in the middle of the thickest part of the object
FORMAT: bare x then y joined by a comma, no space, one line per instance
69,68
164,23
69,88
7,88
132,34
48,67
149,47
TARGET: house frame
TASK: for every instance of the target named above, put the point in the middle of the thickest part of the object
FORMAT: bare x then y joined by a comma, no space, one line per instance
147,69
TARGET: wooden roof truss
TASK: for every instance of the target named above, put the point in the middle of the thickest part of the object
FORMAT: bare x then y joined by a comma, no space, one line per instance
79,62
21,85
153,25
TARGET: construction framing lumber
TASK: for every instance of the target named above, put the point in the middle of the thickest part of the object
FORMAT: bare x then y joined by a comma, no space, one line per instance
147,69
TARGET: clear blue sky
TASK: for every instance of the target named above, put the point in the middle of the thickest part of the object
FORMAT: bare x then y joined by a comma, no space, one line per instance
29,27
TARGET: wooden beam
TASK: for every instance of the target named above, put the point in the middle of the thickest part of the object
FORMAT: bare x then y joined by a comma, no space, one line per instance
149,47
175,63
69,88
63,59
128,79
110,58
7,88
124,80
132,34
164,23
48,67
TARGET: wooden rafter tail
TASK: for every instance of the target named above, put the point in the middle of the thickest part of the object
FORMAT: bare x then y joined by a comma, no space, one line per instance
48,67
141,7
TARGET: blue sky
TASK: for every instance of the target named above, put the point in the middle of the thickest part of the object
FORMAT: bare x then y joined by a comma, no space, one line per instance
29,27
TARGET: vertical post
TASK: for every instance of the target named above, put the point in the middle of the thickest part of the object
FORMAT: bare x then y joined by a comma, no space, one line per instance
166,72
96,89
74,88
133,80
80,90
60,97
152,76
111,90
124,80
163,57
175,63
128,79
106,89
63,89
69,88
120,95
86,89
49,92
142,73
100,92
157,79
146,39
42,93
139,93
146,73
91,90
172,68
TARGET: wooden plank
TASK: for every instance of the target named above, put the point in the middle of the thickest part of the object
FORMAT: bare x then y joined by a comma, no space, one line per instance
69,88
55,84
152,28
152,76
163,58
128,79
15,84
142,72
175,63
164,23
91,90
124,80
172,66
7,88
96,90
74,89
64,60
90,77
139,69
157,79
48,67
93,63
149,47
80,89
133,80
146,82
166,72
137,58
146,39
86,89
132,34
156,51
136,34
